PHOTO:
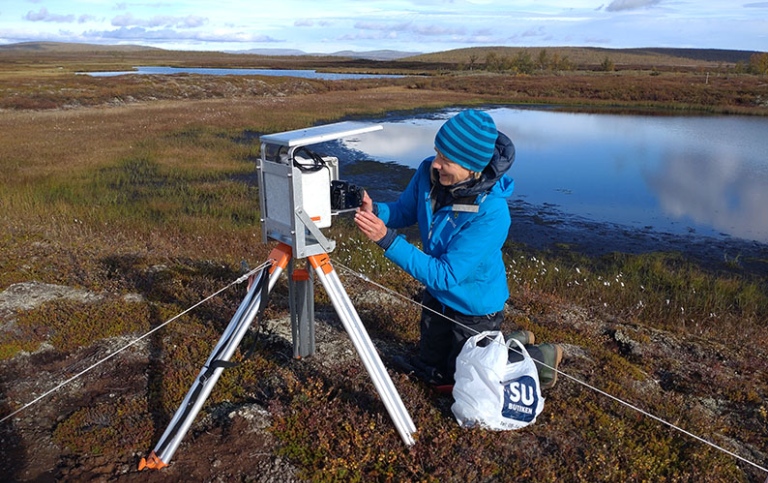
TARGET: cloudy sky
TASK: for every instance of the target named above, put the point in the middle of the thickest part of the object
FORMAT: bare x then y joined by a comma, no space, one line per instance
406,25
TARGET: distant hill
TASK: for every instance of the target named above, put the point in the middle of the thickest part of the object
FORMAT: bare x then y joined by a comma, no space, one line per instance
585,57
595,55
64,47
52,47
269,52
376,54
709,55
370,55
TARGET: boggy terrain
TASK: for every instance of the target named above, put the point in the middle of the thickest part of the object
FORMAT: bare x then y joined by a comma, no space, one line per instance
126,202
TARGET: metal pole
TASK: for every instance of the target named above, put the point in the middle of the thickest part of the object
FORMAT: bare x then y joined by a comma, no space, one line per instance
302,304
365,348
224,350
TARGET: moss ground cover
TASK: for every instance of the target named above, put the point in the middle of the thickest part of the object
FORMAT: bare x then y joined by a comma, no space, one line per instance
157,199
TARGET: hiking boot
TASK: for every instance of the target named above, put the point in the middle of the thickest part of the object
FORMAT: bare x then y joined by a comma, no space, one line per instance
524,337
430,374
551,354
417,367
403,363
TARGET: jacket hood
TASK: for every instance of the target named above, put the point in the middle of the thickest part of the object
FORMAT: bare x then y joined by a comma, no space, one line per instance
503,157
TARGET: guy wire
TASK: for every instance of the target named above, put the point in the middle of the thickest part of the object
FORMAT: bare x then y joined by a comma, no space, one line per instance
240,279
392,292
585,384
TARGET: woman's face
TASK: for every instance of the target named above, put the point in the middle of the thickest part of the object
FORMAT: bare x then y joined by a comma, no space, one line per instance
450,172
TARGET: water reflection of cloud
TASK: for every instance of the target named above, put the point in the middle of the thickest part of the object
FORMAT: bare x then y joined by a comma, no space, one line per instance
411,141
404,143
714,190
706,173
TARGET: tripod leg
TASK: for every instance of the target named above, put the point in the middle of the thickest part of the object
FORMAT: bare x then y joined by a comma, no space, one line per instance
365,348
301,298
209,374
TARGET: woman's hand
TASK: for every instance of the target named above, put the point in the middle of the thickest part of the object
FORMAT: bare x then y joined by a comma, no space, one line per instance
367,203
370,224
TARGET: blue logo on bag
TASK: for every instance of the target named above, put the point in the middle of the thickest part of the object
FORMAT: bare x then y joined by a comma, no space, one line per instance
520,399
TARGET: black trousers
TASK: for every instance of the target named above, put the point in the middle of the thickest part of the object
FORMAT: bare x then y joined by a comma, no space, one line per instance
442,339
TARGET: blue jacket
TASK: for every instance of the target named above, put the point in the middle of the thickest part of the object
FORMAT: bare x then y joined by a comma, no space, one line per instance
461,263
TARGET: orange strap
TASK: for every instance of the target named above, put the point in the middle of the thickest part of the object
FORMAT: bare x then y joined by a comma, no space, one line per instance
300,275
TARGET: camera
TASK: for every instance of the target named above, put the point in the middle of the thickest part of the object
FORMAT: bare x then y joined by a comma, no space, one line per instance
300,190
345,195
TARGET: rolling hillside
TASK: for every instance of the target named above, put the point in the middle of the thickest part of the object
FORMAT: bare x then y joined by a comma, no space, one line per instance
580,56
586,56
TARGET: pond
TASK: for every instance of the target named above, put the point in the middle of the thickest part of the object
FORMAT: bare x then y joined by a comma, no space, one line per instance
306,74
687,175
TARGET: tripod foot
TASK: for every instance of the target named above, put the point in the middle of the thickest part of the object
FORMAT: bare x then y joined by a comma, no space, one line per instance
152,462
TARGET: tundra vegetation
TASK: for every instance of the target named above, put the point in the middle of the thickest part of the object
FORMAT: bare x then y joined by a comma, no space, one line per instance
140,190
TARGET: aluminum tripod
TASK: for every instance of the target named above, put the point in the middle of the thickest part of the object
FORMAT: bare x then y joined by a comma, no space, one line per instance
236,330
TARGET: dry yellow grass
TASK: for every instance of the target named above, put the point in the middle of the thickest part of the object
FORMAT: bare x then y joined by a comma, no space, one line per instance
147,197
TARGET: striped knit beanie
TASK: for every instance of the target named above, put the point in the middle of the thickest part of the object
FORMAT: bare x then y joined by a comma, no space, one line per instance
468,138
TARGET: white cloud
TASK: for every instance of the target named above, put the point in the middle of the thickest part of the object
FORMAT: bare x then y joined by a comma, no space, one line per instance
190,21
166,34
410,27
621,5
43,15
413,25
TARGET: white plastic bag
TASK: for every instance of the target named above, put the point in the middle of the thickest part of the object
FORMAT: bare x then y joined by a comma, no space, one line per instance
492,392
